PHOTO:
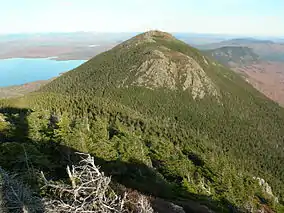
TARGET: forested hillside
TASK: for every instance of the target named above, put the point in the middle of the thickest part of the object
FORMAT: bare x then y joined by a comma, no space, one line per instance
160,118
234,56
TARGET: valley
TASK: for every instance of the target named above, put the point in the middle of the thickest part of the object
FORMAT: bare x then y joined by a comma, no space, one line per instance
267,77
264,74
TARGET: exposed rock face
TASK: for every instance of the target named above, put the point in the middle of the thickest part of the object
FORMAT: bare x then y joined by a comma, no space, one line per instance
174,70
167,68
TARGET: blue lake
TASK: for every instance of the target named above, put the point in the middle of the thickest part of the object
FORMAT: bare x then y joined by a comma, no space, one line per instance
16,71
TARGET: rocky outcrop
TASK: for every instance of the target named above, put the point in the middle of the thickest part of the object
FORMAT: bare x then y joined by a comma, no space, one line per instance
266,188
174,70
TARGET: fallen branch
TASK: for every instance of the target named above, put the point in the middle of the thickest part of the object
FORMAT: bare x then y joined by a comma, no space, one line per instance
89,192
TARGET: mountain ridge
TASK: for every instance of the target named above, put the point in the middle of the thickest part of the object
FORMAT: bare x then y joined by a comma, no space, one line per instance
266,49
231,89
264,75
234,56
133,109
162,65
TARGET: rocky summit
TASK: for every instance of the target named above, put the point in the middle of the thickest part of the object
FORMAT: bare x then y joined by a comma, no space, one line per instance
154,64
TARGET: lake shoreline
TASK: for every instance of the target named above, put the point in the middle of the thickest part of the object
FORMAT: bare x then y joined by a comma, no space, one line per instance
21,71
20,90
55,58
63,52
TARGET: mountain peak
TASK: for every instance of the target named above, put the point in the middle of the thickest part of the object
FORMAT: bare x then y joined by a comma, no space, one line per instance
148,37
157,33
153,60
214,114
166,62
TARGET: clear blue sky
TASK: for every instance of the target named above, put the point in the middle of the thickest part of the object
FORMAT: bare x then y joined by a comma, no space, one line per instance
246,17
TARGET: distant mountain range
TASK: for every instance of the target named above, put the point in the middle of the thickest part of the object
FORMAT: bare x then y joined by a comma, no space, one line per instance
266,49
234,56
76,45
261,62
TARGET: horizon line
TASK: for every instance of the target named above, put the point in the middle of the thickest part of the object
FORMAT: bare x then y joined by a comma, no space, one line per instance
138,32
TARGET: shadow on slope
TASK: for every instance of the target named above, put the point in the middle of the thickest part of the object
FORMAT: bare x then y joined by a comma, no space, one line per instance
17,125
138,176
16,170
20,155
